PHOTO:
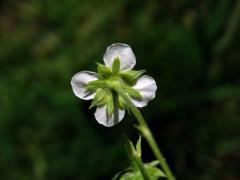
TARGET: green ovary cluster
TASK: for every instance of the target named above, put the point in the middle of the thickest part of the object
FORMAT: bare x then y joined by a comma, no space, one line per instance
109,77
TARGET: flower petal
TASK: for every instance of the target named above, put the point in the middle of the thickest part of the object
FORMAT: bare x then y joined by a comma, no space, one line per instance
147,87
102,117
121,51
79,82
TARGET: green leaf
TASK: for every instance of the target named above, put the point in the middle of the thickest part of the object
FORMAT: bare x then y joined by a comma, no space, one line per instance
154,173
131,176
154,163
138,146
139,170
131,76
121,173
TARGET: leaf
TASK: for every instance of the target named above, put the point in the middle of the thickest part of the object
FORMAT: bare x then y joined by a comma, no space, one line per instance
131,176
154,172
121,173
154,163
138,146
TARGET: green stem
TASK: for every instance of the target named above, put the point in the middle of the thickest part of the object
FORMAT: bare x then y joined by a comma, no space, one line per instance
144,129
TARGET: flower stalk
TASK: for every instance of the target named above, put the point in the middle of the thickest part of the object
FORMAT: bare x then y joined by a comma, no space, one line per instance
144,129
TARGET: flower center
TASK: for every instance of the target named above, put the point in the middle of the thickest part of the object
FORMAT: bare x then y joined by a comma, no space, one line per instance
108,80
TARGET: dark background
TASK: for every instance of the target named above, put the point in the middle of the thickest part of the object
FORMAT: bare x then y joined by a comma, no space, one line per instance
192,50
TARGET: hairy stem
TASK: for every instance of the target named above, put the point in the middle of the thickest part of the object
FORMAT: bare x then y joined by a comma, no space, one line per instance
144,129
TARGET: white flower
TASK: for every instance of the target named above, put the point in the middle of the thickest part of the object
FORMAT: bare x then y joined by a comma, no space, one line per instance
119,60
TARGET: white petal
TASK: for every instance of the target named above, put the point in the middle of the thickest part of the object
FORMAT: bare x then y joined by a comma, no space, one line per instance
147,87
79,82
121,51
102,117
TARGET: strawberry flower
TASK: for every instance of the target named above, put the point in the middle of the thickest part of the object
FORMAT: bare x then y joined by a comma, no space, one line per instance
119,60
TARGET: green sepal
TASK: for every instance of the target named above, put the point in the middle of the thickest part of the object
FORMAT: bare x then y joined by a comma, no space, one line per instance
132,92
120,102
102,97
103,71
116,66
131,76
110,105
94,85
122,105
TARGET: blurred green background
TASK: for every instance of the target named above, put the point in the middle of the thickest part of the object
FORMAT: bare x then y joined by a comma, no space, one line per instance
190,47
